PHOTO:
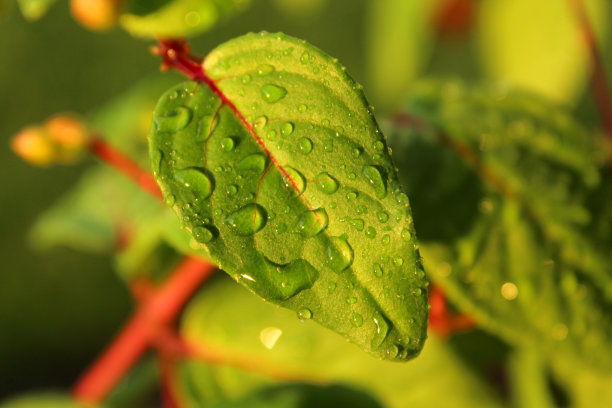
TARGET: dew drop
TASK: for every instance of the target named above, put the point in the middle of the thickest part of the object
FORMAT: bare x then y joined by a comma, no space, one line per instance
255,162
174,120
203,234
379,146
304,314
287,128
231,190
227,144
357,319
356,152
382,329
170,200
195,180
329,146
305,145
156,159
406,235
312,223
293,180
378,271
385,239
361,209
357,223
302,108
247,220
382,216
272,93
327,183
260,122
351,300
246,79
305,58
376,180
398,261
290,279
265,69
351,195
370,232
339,254
331,288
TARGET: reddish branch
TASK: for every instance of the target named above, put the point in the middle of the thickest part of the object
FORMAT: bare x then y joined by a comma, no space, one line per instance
154,314
125,165
441,321
599,83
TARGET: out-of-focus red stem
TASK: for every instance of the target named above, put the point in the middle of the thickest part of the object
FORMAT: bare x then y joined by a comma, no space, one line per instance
125,165
136,336
599,83
441,321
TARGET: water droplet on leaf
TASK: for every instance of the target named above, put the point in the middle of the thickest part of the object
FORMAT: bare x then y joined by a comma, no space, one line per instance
272,93
247,220
327,183
255,161
265,69
339,254
203,234
293,180
227,144
305,145
312,223
195,180
175,120
376,180
357,319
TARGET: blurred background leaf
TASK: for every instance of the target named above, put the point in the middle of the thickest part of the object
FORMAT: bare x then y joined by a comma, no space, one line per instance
262,337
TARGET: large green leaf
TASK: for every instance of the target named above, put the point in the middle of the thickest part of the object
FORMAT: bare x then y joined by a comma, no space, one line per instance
278,168
176,18
510,175
263,338
538,44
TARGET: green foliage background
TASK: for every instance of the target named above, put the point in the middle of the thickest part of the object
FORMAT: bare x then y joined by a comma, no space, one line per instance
58,309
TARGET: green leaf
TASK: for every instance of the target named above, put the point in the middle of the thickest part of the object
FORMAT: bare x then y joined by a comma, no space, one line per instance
270,343
538,44
511,173
43,401
34,9
282,174
176,18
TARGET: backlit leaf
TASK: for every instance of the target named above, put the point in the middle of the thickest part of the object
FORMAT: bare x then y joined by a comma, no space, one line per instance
277,166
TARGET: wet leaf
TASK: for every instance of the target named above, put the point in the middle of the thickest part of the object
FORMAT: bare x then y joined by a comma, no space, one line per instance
305,229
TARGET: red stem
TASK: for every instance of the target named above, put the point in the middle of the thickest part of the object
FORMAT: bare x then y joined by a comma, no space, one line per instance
599,83
137,335
125,165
